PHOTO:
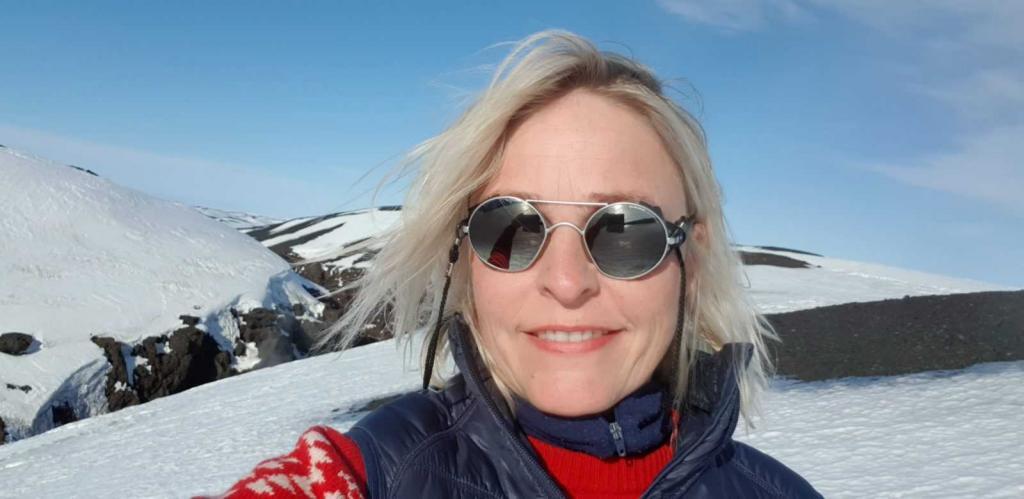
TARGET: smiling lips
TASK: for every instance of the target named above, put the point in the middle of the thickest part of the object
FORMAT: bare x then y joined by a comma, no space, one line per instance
577,339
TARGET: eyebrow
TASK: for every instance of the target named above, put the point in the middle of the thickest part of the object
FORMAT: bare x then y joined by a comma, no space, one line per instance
599,197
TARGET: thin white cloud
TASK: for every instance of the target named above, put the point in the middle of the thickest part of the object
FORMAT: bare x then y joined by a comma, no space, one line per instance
988,167
991,95
188,180
986,23
735,15
966,55
990,23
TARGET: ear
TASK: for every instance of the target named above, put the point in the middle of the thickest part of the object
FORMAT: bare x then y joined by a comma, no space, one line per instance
699,233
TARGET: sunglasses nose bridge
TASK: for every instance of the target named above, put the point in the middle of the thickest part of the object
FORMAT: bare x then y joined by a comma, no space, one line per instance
574,227
570,224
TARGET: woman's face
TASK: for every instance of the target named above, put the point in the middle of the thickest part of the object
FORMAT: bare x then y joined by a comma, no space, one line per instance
581,147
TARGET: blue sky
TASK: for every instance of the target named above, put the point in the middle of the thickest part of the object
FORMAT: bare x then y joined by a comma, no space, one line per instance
881,131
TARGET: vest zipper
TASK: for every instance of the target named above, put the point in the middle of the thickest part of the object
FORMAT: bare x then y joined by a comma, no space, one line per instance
544,479
620,442
554,491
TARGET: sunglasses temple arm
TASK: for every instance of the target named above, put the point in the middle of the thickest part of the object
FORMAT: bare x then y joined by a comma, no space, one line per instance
453,256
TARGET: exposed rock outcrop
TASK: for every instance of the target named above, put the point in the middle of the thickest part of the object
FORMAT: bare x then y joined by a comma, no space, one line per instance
278,337
188,357
759,258
63,414
788,250
900,336
14,343
163,365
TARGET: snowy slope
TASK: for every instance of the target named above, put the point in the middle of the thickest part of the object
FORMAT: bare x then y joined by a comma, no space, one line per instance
831,281
82,256
952,434
325,236
325,242
237,219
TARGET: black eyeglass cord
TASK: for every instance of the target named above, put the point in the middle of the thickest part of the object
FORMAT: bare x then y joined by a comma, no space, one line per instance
681,320
435,337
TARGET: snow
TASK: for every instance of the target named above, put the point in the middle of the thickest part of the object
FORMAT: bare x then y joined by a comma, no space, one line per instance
348,262
937,434
942,434
834,281
289,224
202,439
343,229
249,359
322,225
237,219
83,256
358,226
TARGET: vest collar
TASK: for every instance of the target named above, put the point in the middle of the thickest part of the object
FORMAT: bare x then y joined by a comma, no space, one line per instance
638,423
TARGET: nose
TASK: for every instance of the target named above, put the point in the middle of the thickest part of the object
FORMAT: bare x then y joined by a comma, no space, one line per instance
565,271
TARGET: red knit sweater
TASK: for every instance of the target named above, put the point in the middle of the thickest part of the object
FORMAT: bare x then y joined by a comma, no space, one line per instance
327,464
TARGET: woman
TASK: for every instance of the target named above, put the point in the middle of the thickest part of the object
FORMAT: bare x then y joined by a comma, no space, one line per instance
604,344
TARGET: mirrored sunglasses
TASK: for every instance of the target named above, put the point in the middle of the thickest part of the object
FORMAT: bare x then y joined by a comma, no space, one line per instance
625,240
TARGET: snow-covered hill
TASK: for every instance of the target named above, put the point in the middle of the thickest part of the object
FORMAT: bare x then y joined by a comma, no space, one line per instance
83,257
946,434
782,287
326,240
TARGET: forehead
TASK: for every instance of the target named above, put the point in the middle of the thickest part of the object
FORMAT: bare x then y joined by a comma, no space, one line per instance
587,147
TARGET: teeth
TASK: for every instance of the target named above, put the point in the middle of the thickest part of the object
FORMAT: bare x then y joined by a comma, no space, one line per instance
570,337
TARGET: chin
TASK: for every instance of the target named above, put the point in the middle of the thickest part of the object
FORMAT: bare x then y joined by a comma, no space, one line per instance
571,403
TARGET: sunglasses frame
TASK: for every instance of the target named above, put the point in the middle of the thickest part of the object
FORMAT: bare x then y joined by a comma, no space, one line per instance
675,232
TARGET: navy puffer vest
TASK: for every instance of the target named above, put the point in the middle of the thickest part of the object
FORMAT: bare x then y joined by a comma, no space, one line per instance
462,441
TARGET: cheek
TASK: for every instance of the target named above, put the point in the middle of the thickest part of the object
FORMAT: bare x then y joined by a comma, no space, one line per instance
490,293
652,308
498,299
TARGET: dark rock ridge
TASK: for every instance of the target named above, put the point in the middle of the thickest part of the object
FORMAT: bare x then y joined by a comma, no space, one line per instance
189,356
17,343
186,358
3,432
336,304
62,414
758,258
278,337
788,250
84,170
900,336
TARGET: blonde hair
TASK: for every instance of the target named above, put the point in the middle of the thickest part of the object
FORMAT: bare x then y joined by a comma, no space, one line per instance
404,281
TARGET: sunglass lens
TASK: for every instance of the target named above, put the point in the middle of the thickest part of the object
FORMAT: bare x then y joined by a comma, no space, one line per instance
626,240
506,233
